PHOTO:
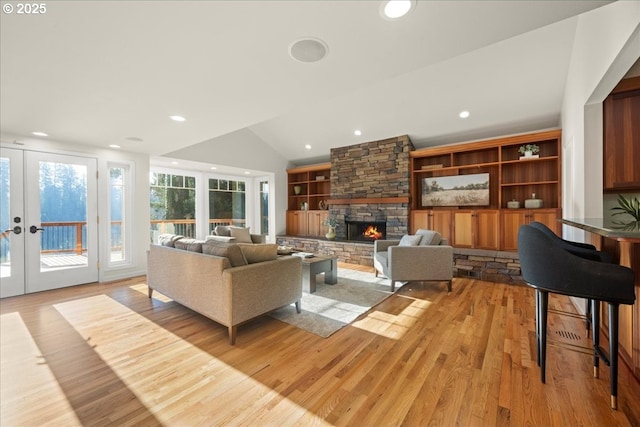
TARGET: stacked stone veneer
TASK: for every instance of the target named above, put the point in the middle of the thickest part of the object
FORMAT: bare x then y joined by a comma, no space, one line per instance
491,266
372,170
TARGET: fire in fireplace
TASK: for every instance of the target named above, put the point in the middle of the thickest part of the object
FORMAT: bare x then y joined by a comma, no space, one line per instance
366,231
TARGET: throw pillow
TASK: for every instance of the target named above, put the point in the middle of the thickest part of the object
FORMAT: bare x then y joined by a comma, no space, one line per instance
429,237
241,234
192,245
169,239
410,240
231,251
222,230
259,252
226,239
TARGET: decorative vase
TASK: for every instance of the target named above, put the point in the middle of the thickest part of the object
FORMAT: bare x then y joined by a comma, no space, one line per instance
528,153
297,189
331,234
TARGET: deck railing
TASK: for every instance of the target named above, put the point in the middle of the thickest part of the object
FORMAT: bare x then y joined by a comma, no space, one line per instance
70,236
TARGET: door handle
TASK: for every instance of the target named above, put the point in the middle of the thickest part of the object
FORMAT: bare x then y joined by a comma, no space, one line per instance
33,229
16,230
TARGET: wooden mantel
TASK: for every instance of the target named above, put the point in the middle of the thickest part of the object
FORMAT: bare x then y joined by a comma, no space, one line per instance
369,200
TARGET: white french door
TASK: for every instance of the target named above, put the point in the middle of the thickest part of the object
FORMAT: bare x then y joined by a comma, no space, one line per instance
50,237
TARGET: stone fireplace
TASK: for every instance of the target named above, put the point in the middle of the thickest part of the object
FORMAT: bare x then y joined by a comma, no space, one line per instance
366,231
370,183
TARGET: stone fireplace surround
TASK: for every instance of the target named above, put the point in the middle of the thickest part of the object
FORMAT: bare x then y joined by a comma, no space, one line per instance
370,182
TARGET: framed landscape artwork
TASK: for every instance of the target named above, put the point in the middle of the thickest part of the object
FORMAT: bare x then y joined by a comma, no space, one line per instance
456,190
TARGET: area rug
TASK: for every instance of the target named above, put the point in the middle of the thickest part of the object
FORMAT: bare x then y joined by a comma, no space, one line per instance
332,307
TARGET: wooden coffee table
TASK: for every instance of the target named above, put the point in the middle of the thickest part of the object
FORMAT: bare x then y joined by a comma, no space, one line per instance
326,264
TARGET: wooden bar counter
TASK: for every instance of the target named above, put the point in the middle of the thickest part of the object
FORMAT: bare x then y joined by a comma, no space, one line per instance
623,242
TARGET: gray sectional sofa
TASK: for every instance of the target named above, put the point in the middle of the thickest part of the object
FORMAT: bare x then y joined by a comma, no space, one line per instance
230,283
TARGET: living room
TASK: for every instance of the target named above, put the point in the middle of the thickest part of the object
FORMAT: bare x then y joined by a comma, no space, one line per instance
594,46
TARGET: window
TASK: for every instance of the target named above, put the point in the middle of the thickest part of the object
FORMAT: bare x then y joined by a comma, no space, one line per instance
264,207
227,203
173,204
119,214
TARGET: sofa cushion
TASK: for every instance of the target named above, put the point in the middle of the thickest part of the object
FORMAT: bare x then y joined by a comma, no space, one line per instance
192,245
231,251
169,239
241,234
410,240
222,230
429,237
226,239
261,252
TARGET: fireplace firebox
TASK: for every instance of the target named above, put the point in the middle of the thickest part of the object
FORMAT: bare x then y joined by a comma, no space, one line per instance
366,231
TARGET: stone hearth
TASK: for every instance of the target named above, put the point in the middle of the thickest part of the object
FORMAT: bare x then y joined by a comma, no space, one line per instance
494,266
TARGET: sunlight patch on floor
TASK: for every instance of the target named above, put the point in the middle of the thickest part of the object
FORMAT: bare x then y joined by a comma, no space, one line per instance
393,326
27,385
157,365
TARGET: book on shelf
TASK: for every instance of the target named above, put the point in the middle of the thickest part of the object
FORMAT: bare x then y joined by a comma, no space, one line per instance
429,167
303,254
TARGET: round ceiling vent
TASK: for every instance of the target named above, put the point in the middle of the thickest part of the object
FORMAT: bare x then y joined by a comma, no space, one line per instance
308,50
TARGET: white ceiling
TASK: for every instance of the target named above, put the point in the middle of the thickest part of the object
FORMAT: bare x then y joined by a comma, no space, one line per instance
96,72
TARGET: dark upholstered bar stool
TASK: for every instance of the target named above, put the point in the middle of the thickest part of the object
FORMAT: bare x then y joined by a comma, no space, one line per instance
583,250
549,268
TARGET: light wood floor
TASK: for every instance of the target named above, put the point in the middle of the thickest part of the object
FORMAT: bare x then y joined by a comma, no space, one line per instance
105,354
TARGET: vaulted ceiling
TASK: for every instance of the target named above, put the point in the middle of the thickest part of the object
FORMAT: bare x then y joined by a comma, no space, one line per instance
112,72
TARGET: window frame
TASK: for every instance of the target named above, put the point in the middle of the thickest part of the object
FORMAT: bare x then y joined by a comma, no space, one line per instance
128,244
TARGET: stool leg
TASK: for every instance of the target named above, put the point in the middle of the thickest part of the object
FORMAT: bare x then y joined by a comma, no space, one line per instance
595,335
588,315
544,302
537,292
613,353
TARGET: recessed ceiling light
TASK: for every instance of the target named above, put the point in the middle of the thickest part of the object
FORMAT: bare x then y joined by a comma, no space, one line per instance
394,9
39,134
177,118
357,132
308,49
213,168
308,146
247,173
464,114
114,146
133,139
175,163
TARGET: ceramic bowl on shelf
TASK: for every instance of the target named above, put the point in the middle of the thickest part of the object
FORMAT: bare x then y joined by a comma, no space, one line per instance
533,203
513,204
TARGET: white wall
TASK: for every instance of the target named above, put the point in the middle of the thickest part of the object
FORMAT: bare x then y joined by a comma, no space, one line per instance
141,215
607,44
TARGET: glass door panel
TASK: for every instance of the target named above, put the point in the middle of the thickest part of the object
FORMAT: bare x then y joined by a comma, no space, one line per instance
12,235
61,226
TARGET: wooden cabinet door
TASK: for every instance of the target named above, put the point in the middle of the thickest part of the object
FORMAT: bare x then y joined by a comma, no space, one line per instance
511,222
317,219
622,140
548,217
440,221
437,220
419,219
297,223
486,229
463,229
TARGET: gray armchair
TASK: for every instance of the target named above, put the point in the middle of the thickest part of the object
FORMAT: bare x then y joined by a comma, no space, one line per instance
430,259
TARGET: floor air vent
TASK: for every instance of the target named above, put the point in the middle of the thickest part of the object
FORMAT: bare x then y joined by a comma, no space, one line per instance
568,335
